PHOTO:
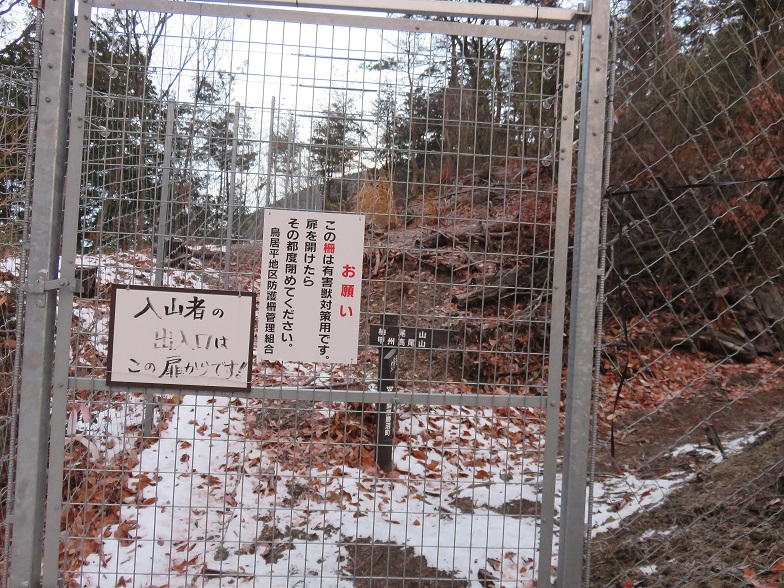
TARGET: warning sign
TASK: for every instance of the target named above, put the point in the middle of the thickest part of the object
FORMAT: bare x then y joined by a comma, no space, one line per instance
311,272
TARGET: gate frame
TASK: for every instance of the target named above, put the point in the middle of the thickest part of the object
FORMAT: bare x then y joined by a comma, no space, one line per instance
41,386
41,299
584,307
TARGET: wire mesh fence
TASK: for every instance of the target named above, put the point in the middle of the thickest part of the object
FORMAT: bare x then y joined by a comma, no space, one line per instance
454,140
17,119
448,139
691,372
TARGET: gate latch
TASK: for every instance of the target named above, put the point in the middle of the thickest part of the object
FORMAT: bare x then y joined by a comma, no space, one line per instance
40,286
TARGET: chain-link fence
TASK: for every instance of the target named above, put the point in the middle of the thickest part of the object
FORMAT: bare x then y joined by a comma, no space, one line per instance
691,392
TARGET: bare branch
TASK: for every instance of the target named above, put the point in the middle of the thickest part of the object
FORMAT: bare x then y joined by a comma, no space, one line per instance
10,6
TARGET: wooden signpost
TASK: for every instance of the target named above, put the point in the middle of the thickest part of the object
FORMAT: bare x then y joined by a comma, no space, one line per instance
391,338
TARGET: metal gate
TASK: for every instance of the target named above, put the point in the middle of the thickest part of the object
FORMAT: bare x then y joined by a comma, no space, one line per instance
452,129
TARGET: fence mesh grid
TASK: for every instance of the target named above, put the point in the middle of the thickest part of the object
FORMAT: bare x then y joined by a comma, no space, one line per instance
17,118
446,144
691,369
693,314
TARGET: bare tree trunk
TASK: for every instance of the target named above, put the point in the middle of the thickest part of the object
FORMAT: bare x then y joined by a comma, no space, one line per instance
669,50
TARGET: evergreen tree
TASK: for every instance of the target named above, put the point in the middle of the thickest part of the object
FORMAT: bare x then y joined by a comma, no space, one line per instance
287,154
335,142
203,158
124,135
17,79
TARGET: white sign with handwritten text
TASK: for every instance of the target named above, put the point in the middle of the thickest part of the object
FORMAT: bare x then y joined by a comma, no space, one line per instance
180,338
311,286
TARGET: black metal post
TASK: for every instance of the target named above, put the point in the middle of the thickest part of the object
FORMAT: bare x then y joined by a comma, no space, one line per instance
385,435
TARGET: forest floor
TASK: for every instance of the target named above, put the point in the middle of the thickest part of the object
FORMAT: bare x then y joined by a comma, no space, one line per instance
723,528
669,510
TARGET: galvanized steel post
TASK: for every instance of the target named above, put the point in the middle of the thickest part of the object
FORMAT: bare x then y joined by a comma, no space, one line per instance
583,306
45,215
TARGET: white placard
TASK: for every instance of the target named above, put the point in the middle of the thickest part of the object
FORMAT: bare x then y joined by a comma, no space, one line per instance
311,286
181,338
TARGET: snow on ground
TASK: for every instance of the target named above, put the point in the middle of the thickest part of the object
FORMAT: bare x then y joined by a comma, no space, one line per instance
620,496
94,323
128,267
134,267
212,509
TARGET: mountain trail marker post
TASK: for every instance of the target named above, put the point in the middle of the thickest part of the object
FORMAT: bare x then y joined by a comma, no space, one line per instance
390,338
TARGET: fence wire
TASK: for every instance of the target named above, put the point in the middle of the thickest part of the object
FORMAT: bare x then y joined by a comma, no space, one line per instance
18,97
691,395
690,408
455,142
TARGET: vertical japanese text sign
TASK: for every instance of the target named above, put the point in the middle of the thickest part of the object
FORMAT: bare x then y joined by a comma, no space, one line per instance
180,338
311,286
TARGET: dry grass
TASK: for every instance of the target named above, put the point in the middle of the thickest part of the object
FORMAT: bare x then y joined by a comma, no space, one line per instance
377,202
